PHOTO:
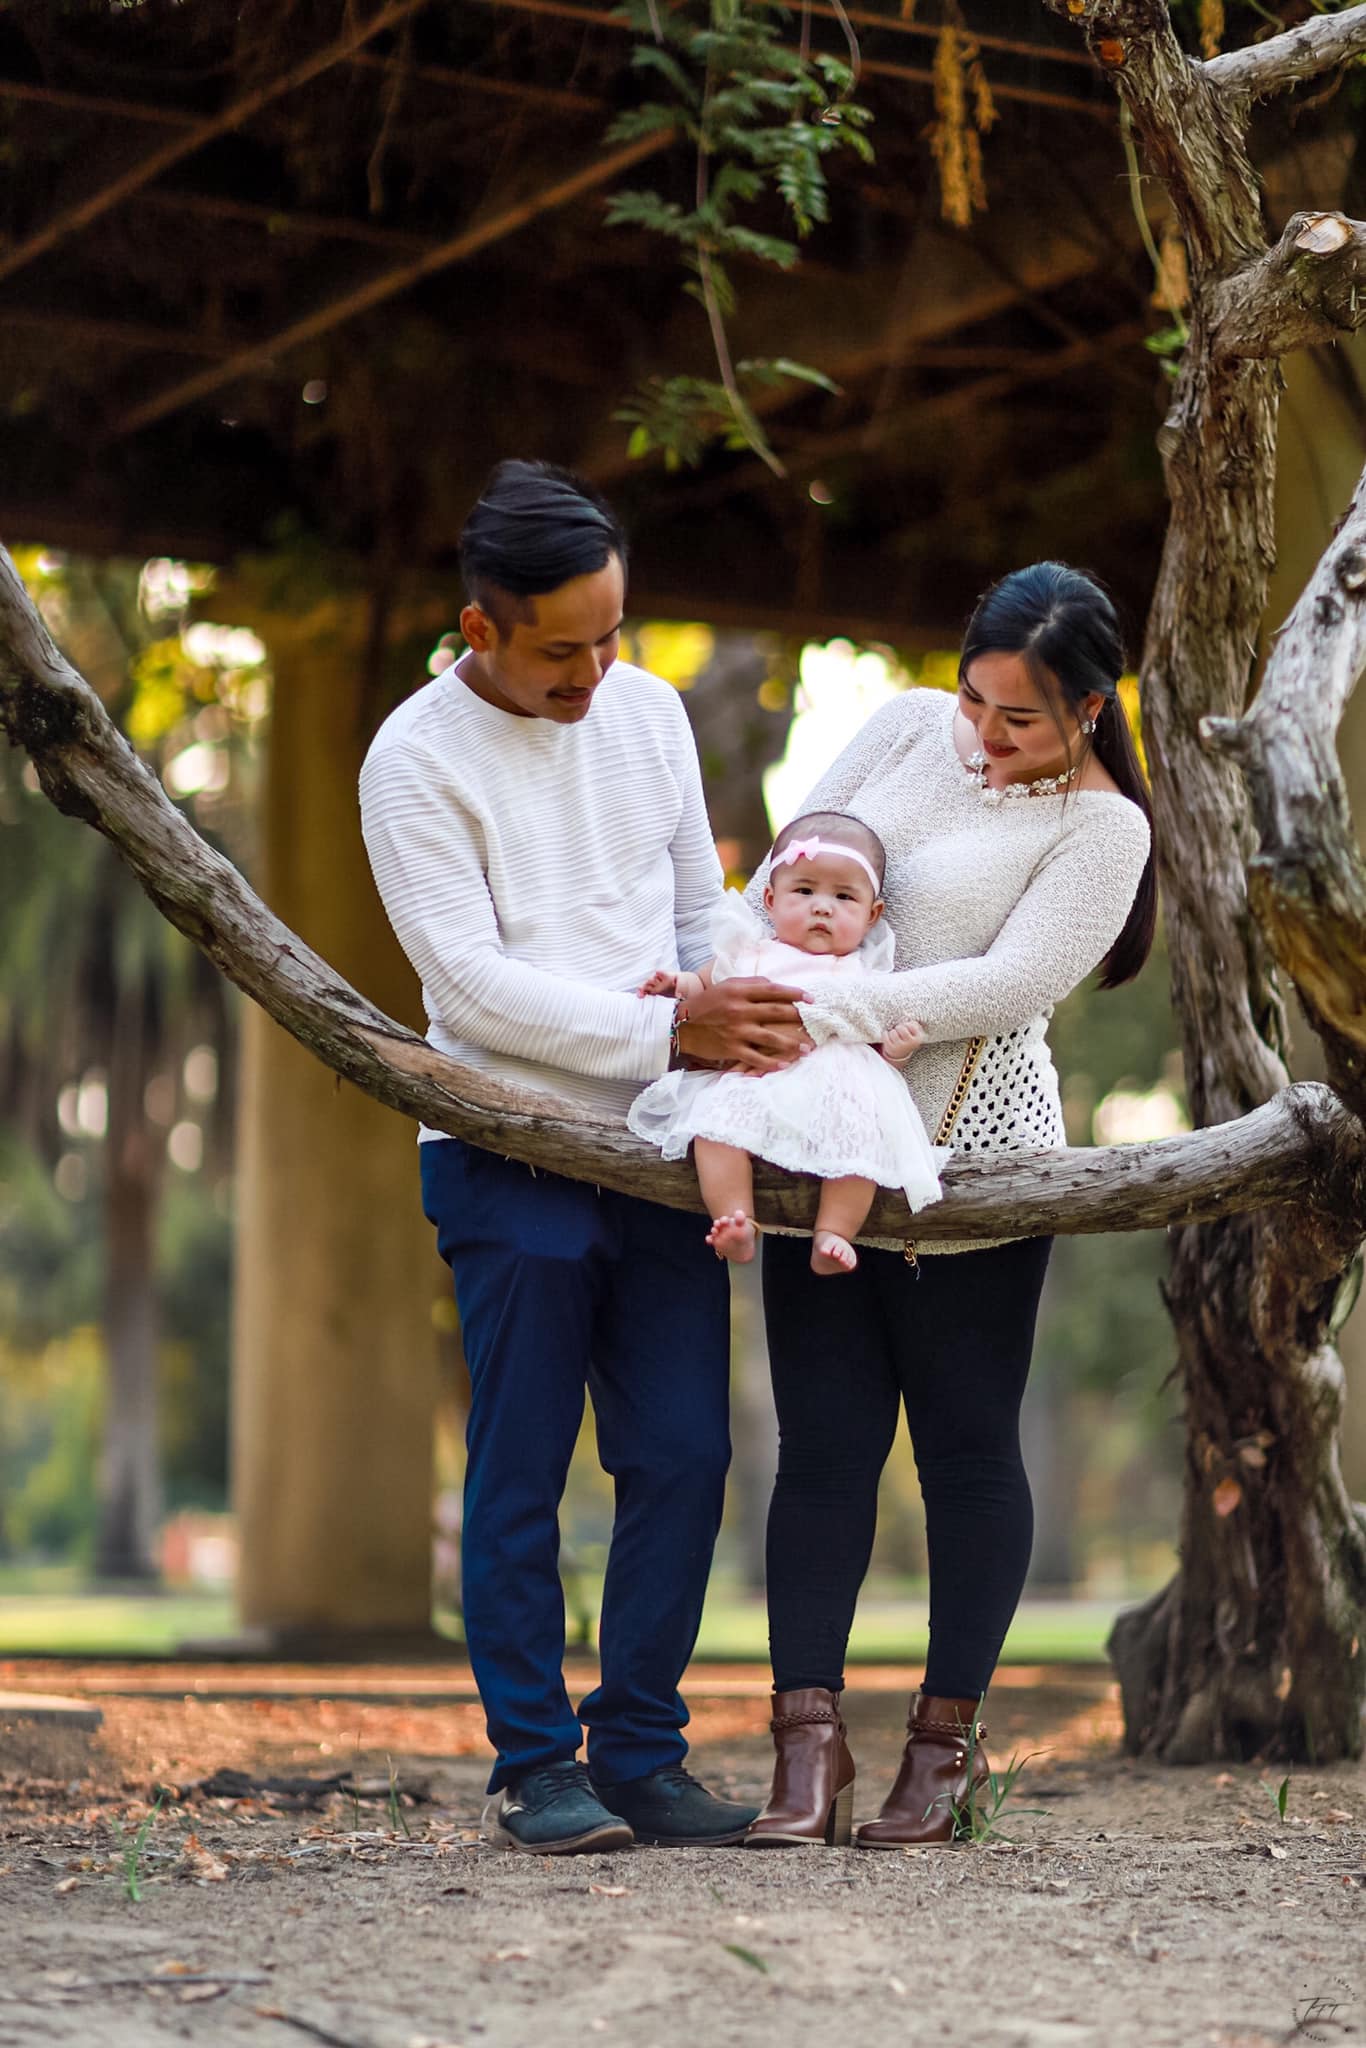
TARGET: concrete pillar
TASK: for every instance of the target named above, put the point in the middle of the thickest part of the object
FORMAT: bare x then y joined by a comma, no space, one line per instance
334,1349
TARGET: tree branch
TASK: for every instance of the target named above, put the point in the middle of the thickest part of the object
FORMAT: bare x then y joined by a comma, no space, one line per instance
1285,60
1307,878
1310,288
1301,1149
1192,136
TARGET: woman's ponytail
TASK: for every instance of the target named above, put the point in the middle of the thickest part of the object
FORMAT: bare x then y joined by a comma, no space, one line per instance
1114,746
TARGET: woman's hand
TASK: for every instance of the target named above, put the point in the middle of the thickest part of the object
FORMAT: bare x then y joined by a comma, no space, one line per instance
901,1041
748,1022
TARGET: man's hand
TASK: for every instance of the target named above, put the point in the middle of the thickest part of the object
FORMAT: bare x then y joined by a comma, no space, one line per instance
901,1041
748,1022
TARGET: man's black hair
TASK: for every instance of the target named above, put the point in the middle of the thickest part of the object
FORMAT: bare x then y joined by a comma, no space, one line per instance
534,528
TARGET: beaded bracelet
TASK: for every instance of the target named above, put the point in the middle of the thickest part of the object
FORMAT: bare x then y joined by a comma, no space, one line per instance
680,1019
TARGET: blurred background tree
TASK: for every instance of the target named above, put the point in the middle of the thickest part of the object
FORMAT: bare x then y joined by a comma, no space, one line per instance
117,1056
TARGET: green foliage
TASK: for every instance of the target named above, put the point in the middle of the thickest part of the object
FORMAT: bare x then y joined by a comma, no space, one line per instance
194,1289
977,1818
681,416
51,1407
1168,345
52,1356
762,117
132,1854
90,969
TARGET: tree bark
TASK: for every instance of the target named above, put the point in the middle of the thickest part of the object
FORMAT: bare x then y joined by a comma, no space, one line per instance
1256,1644
1307,879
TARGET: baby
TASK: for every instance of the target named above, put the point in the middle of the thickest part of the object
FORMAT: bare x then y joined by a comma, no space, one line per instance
841,1112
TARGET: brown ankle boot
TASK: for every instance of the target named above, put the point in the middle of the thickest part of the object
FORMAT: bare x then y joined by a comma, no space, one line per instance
813,1781
933,1780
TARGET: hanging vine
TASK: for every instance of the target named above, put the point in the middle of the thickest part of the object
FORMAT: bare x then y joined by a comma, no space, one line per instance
762,117
957,130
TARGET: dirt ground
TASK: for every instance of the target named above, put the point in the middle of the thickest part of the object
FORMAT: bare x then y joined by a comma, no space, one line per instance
1131,1906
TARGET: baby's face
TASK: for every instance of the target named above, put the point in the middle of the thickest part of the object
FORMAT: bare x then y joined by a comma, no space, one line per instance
825,905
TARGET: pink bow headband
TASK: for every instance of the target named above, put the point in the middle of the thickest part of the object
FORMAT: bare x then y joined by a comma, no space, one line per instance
807,849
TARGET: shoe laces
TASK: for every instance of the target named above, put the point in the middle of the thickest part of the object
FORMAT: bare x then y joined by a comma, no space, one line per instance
677,1779
547,1781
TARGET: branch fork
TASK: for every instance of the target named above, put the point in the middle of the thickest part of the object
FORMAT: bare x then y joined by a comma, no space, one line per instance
1310,287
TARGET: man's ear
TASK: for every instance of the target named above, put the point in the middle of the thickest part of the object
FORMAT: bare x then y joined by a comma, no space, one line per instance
878,909
477,629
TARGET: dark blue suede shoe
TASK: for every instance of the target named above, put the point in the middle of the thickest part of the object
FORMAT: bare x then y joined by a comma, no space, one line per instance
670,1809
554,1811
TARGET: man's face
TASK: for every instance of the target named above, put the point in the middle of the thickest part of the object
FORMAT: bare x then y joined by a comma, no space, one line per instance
549,664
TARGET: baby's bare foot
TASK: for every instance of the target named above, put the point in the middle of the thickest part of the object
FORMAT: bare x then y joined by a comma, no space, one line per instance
733,1237
831,1253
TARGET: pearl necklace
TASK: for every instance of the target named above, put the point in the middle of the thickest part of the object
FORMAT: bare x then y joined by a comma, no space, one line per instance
1042,785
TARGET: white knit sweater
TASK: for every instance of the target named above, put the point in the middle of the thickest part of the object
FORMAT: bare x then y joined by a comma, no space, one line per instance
999,911
537,873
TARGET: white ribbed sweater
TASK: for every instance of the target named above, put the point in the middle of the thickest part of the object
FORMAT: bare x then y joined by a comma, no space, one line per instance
537,873
999,911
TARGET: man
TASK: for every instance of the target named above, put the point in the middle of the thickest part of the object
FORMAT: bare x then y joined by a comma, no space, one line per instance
536,827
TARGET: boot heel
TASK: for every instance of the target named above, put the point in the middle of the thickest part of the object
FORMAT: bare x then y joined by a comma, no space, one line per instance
840,1819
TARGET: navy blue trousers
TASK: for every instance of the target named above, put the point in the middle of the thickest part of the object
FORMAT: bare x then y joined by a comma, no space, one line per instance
563,1286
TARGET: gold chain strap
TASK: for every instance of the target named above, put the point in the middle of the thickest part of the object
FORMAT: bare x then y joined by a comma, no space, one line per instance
971,1061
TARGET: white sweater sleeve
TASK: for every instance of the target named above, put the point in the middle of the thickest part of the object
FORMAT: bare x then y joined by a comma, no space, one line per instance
424,849
1062,926
699,884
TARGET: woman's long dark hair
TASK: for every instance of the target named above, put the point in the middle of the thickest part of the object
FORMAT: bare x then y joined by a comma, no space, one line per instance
1063,626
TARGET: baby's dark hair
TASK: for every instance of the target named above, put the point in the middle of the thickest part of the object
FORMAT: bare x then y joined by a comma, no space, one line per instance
841,830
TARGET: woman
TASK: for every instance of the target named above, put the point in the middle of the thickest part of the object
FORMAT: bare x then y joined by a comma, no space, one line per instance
1018,835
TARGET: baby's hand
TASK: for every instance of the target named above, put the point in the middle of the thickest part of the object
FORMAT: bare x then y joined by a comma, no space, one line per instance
659,984
901,1041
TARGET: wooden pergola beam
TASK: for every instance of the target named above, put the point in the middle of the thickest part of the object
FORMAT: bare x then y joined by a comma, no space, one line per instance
868,436
495,228
141,334
876,67
281,220
853,347
553,97
1001,89
86,211
862,17
97,103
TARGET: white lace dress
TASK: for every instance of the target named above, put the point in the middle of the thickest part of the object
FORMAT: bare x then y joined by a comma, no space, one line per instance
841,1110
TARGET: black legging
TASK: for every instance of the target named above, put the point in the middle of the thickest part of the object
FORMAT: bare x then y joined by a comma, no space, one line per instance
953,1342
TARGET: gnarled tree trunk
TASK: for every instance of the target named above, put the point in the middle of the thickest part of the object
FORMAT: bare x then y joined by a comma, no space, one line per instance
1255,1646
